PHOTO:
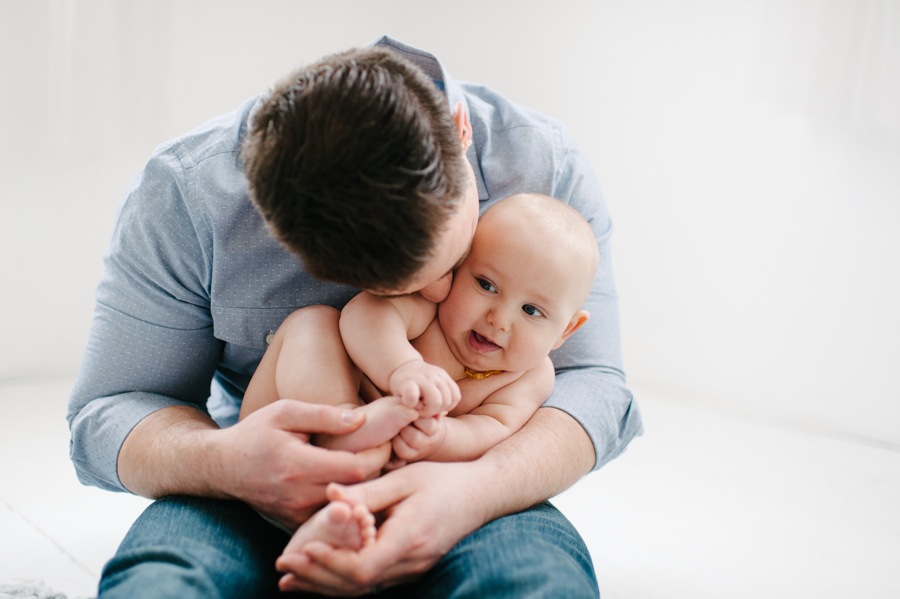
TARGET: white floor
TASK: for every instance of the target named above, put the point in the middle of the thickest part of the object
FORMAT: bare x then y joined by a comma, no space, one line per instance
705,505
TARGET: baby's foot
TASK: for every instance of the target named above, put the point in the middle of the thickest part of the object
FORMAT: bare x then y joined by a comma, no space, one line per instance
385,417
339,524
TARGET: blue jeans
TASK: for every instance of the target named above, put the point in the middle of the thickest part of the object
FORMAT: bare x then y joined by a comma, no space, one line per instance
188,547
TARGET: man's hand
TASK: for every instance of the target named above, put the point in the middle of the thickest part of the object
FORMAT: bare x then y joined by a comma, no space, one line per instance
420,439
270,464
545,457
422,527
264,460
426,387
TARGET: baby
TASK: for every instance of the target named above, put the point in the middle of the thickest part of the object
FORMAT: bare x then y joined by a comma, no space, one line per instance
463,375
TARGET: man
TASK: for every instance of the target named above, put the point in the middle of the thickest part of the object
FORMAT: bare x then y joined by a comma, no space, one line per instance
194,286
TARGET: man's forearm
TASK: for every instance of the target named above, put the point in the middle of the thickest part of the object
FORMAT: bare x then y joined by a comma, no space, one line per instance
264,460
167,453
547,456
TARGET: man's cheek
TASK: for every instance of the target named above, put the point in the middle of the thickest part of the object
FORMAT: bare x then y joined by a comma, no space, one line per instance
439,290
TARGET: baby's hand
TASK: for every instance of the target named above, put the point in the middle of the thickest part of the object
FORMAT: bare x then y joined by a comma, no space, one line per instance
420,439
425,387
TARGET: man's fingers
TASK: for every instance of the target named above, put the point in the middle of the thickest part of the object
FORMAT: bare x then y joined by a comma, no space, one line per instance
346,467
381,562
289,582
376,494
302,417
394,463
342,565
313,578
290,562
375,459
329,571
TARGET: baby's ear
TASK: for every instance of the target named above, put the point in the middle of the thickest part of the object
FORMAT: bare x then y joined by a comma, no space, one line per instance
581,317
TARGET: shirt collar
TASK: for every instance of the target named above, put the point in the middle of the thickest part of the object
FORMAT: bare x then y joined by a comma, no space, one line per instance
429,63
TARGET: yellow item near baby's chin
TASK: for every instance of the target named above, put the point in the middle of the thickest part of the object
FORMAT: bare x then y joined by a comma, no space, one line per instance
474,374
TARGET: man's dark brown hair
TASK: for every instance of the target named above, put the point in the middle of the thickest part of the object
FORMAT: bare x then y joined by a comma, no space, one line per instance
355,164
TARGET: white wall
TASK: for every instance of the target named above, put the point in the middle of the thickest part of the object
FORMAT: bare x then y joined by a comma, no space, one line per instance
748,151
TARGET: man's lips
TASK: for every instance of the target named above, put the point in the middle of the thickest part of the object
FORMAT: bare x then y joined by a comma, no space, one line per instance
481,343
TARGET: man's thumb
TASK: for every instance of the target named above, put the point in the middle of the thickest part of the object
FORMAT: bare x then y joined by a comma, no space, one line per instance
378,494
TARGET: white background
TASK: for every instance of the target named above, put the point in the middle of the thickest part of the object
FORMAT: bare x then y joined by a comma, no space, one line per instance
749,152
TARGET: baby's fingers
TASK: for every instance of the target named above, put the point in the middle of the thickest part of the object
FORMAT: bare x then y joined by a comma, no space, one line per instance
414,437
455,395
409,394
433,393
428,426
402,450
450,394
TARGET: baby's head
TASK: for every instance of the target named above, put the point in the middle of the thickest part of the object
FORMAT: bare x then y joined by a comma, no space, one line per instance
519,293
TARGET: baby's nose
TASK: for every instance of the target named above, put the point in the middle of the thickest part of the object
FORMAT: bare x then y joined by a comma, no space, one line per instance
498,319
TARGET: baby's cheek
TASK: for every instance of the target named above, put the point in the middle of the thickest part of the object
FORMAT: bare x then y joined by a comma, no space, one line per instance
449,311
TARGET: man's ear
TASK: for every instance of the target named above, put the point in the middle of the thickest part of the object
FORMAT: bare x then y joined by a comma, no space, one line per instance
461,120
581,317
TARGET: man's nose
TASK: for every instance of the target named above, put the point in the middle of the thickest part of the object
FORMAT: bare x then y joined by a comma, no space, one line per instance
439,290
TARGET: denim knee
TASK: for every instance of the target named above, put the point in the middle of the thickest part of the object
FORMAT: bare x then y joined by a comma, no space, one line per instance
536,553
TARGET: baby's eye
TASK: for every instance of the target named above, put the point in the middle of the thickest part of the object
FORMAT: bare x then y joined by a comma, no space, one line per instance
531,310
486,285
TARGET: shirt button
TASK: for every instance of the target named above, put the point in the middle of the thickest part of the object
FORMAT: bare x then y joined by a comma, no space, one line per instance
269,338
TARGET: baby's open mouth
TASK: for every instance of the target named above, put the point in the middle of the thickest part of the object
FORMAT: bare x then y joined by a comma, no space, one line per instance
481,343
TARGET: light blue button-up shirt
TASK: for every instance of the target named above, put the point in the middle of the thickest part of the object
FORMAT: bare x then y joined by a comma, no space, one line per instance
193,284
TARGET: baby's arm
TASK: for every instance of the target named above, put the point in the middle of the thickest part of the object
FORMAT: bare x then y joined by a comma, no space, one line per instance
469,436
376,333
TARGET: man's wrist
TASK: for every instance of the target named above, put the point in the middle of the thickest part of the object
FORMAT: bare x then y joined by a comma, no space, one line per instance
548,455
212,460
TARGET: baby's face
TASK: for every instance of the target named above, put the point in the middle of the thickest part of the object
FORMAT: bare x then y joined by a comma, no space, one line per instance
511,300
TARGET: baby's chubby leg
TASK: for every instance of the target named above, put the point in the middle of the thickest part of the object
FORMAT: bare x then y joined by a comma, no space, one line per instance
313,365
305,361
